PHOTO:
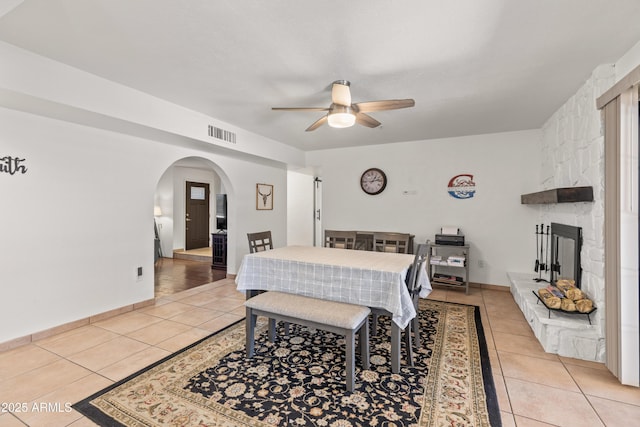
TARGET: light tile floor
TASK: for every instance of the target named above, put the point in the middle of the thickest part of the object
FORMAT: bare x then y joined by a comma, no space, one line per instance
534,388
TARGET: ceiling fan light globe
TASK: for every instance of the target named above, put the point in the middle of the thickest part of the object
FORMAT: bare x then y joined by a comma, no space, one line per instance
341,120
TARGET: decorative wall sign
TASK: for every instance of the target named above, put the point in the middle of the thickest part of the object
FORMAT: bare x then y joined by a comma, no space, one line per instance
264,197
462,186
12,165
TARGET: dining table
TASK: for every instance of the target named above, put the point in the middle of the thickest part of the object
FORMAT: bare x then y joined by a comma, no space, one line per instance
367,278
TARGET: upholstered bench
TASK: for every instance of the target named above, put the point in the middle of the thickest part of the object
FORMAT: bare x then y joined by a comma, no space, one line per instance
337,317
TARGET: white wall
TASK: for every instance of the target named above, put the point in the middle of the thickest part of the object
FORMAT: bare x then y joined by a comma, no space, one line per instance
499,228
165,201
80,222
629,61
573,155
77,225
31,82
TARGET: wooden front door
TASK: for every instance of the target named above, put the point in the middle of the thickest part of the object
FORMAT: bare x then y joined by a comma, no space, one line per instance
197,216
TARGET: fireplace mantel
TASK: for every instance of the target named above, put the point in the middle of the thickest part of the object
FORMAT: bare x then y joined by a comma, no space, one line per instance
559,195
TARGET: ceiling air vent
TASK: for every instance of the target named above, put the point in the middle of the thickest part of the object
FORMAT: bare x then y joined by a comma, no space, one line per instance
222,134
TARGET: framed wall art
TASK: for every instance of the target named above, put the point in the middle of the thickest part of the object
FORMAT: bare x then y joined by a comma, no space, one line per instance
264,197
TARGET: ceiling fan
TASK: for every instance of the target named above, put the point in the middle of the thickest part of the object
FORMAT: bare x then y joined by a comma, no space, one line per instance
342,113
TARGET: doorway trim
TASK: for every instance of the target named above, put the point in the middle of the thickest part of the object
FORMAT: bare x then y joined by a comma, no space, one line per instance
169,196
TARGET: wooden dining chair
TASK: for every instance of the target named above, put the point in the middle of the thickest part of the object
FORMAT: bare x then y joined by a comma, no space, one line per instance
260,241
413,285
340,239
391,242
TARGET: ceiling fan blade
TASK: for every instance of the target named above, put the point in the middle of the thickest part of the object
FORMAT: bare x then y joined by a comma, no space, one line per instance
389,104
322,120
367,120
300,108
340,93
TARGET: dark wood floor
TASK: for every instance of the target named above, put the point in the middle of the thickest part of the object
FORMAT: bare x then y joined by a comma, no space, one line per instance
175,275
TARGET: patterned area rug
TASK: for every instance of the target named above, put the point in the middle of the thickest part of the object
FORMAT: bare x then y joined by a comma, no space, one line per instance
300,380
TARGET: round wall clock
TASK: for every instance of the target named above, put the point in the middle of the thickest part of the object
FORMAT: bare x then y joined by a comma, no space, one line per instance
373,181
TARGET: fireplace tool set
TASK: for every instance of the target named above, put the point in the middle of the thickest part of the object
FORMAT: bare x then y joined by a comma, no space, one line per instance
542,252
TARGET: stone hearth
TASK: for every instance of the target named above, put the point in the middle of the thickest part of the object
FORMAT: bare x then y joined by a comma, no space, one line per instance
568,335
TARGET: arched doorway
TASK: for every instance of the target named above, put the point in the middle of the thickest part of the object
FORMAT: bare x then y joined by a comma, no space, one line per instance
181,267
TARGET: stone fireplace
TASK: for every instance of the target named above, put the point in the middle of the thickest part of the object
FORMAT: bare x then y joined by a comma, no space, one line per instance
569,335
573,335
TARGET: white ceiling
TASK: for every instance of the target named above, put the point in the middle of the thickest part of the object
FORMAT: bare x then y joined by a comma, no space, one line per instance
472,66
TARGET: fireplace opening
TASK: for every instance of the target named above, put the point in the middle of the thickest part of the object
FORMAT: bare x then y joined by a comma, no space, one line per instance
566,244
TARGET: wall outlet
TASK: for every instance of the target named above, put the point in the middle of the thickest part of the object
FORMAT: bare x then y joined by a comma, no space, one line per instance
139,273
